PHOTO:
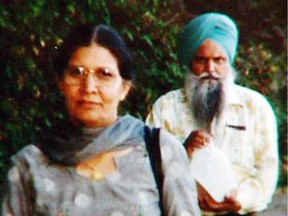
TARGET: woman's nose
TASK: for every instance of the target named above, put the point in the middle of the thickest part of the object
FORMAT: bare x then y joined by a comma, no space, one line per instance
90,83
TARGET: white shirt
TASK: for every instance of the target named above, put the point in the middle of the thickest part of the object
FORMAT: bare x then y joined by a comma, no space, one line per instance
246,132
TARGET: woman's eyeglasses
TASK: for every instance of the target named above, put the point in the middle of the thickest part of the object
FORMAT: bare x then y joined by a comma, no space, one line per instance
76,75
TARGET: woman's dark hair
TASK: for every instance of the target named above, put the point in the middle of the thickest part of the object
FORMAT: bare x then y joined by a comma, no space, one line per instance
85,35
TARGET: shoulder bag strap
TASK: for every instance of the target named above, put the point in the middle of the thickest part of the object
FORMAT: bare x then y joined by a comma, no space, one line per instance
153,148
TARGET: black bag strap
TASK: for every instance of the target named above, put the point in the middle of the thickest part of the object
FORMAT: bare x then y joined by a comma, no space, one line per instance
151,137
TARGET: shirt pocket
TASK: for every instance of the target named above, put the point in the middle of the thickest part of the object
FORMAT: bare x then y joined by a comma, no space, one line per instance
235,141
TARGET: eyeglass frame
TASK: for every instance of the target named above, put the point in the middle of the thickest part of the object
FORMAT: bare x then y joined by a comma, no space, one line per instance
84,75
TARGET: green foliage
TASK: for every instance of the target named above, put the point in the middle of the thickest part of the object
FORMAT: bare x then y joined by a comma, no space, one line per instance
32,30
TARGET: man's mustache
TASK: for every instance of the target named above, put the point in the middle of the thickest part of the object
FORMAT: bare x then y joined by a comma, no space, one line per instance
206,75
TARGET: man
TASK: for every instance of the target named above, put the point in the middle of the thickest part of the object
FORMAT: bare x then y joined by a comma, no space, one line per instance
211,107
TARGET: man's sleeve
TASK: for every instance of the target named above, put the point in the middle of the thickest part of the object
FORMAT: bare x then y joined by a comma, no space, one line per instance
154,116
256,191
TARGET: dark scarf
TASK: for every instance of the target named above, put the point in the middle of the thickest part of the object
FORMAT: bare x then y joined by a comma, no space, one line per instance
68,144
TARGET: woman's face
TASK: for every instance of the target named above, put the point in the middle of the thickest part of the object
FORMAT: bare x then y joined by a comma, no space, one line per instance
93,87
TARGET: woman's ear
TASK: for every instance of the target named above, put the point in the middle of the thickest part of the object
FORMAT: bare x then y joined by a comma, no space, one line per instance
126,88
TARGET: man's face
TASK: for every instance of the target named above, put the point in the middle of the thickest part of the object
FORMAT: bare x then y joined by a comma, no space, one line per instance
212,59
207,83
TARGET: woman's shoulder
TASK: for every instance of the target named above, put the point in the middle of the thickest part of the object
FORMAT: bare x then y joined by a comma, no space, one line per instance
28,153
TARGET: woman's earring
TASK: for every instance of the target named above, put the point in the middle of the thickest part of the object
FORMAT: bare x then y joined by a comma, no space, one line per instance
122,97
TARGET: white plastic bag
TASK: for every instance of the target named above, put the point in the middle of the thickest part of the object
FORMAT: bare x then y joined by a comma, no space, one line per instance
213,170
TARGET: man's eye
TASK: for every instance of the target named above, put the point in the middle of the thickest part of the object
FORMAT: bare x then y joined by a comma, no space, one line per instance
219,60
198,59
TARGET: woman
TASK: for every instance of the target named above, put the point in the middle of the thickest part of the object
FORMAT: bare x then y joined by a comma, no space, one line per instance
96,163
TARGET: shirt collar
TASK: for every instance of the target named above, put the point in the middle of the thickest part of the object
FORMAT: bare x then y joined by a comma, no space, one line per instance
233,96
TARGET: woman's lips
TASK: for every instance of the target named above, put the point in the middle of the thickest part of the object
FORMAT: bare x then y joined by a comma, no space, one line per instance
88,104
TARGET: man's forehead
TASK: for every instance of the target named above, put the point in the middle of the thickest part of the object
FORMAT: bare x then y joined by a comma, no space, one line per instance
211,48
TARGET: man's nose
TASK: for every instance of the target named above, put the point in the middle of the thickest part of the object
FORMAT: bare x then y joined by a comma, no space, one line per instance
210,66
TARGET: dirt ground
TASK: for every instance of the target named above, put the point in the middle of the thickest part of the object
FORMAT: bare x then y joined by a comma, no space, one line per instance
278,207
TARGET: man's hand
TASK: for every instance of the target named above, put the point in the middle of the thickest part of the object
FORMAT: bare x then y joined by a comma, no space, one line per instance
198,139
207,203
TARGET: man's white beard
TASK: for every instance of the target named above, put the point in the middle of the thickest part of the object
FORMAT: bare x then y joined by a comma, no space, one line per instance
207,96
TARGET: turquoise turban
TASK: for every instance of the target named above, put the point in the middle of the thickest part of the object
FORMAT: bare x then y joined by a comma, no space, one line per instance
218,27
